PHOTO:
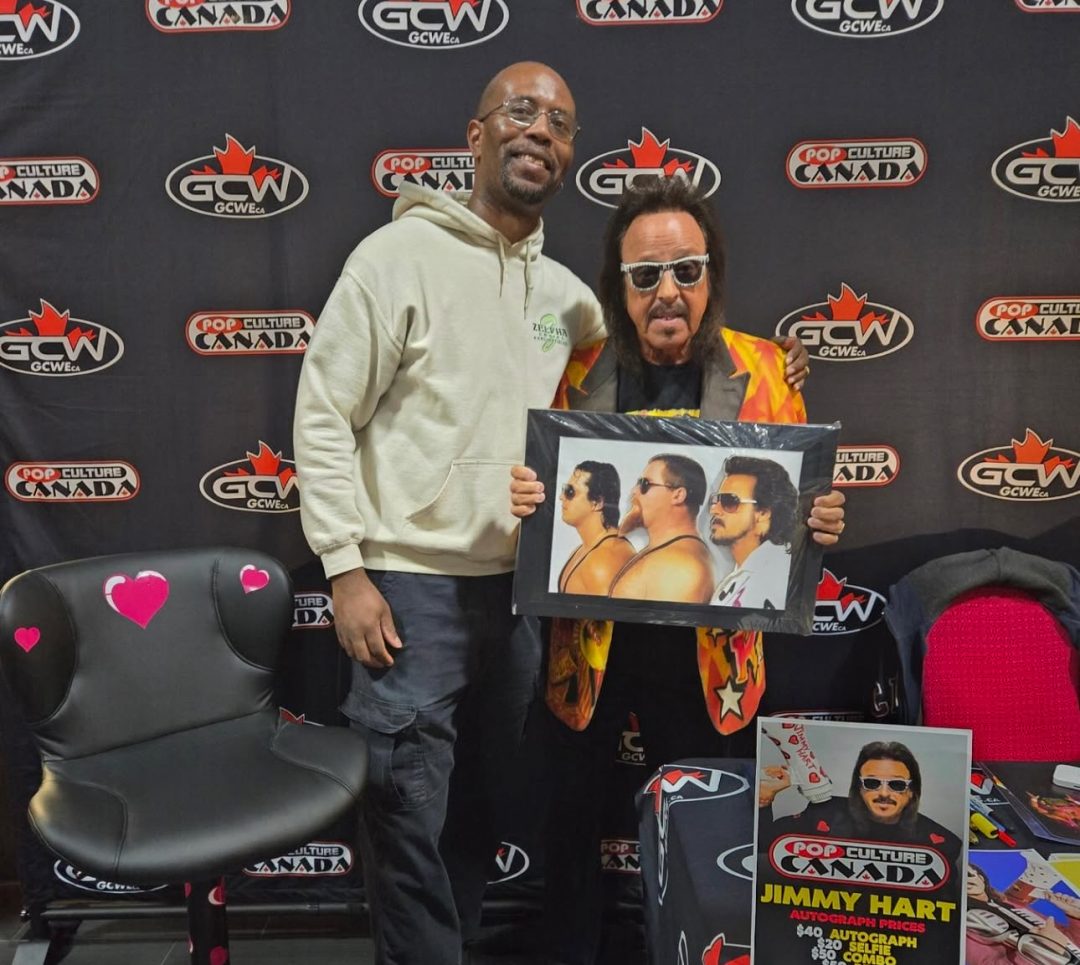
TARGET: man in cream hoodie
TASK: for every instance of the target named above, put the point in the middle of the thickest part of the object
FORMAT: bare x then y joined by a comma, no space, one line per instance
444,327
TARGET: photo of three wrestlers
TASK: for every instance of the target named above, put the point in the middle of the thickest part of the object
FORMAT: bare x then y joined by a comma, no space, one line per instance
685,524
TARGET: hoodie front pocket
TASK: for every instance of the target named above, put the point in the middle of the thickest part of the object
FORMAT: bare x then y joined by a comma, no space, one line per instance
470,514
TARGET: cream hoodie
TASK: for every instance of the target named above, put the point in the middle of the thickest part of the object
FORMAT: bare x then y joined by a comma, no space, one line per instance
437,337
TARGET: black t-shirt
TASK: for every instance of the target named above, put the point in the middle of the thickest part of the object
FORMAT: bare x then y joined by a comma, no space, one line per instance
661,388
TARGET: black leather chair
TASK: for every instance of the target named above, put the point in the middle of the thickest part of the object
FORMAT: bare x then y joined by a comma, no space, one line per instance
147,682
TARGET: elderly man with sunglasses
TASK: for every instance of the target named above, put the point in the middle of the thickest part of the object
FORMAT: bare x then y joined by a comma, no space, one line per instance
668,353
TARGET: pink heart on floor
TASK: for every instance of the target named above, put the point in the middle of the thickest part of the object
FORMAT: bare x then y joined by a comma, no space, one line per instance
252,579
138,598
27,637
219,955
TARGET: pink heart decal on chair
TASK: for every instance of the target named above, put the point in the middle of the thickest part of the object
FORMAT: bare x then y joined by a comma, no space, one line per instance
138,598
219,955
27,637
252,579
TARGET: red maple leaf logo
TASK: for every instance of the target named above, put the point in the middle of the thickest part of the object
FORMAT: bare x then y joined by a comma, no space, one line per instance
847,308
829,588
1066,143
237,160
50,323
1032,452
455,5
650,153
27,11
265,463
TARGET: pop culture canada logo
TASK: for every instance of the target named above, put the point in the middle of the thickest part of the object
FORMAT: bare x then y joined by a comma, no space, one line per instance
35,28
605,177
317,859
1046,169
249,333
47,180
236,183
1029,318
313,610
909,866
842,607
621,856
611,13
865,466
199,16
72,482
261,483
52,343
866,18
882,163
74,878
1030,471
1049,6
449,169
511,862
434,24
848,328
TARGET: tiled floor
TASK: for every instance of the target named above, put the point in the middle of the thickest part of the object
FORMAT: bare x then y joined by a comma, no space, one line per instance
295,939
299,939
281,940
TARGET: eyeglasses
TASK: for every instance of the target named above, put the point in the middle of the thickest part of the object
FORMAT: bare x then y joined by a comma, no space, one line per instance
729,502
568,491
644,485
524,113
646,275
897,784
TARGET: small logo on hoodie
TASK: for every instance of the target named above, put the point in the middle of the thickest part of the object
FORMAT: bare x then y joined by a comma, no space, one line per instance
549,332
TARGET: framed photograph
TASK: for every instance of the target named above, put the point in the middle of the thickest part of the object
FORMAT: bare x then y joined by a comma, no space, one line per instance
673,520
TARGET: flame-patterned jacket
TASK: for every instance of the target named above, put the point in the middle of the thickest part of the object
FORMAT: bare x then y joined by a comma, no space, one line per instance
746,384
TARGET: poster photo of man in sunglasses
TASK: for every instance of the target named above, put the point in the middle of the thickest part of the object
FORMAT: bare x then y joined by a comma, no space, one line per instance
668,520
892,843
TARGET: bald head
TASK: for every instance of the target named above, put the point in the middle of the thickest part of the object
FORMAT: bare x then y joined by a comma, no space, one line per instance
523,76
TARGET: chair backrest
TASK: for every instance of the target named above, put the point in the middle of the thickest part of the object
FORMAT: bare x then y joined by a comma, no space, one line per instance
999,663
114,650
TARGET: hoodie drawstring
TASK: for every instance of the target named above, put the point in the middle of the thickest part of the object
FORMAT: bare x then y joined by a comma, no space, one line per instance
502,264
528,277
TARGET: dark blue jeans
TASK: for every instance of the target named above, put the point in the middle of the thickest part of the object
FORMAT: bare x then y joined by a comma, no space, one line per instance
442,726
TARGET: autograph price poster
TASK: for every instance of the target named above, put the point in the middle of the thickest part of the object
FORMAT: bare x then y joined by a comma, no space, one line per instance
860,843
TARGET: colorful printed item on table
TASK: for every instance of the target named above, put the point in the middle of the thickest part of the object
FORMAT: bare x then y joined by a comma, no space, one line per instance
253,579
137,598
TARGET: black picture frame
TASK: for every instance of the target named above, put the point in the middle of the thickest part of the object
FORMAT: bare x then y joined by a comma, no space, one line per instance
556,441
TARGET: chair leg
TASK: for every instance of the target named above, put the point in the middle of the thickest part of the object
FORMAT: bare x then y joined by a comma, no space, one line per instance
208,931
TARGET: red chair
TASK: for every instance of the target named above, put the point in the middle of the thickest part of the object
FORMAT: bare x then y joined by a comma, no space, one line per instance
998,662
